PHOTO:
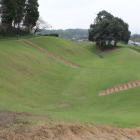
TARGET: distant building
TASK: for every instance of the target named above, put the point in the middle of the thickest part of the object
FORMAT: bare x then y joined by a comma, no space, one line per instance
132,43
137,44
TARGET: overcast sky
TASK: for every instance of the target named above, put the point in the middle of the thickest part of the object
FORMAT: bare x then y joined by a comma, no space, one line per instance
65,14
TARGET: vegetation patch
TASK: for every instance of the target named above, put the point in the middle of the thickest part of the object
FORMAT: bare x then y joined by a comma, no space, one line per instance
32,81
8,118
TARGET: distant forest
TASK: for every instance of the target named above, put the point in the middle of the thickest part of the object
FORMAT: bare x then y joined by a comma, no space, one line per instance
72,34
135,37
76,34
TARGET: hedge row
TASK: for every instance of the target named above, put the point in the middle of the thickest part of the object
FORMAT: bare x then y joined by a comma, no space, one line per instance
56,35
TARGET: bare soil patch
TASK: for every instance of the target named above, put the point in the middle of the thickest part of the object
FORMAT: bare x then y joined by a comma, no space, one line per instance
64,105
7,118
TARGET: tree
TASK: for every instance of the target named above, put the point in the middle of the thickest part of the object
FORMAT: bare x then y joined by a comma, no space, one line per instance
19,12
31,14
8,8
3,28
119,30
41,25
107,28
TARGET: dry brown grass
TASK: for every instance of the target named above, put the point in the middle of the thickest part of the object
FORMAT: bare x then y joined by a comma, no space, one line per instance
60,130
69,131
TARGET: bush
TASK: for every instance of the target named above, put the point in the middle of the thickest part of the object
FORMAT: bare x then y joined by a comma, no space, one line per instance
55,35
11,31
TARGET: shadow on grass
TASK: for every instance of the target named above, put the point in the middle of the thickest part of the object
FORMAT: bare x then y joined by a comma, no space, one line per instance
106,48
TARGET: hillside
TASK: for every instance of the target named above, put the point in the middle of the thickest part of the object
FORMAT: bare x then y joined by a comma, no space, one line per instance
32,81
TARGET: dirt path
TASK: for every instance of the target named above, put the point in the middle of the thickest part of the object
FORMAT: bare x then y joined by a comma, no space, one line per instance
120,87
51,54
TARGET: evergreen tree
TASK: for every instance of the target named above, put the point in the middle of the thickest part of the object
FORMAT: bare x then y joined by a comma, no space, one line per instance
15,12
119,30
19,12
31,14
8,8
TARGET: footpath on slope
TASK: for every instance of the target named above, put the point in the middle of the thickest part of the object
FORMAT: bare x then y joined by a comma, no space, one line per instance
120,87
50,54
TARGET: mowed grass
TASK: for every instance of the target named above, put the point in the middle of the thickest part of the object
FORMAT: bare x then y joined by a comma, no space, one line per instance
64,49
32,81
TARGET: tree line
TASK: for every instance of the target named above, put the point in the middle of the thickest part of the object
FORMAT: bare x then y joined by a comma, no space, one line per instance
135,37
18,13
68,33
107,28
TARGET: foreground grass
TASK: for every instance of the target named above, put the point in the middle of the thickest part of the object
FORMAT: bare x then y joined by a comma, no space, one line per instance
33,82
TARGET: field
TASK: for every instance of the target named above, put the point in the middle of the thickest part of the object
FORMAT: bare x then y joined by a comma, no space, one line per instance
31,81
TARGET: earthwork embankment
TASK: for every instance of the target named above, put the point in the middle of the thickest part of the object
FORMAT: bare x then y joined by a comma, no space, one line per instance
51,54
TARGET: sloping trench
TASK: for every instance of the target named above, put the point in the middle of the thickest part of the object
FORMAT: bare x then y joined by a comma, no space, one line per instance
100,56
50,54
120,87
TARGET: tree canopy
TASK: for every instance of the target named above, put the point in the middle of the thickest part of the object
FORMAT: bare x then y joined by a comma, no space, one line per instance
107,28
16,13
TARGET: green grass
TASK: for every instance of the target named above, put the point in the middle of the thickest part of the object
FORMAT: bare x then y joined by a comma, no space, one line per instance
91,47
131,47
31,81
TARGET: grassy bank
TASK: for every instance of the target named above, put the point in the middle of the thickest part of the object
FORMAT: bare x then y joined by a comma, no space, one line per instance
32,81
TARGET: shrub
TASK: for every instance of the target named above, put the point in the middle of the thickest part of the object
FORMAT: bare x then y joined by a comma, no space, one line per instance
55,35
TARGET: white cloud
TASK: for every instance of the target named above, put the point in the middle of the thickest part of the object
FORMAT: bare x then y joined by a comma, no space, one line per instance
63,14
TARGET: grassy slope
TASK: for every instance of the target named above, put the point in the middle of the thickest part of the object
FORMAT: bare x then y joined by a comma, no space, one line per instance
65,49
34,82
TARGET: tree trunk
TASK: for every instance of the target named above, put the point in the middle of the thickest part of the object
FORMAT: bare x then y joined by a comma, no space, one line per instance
28,29
9,22
102,43
35,30
115,44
